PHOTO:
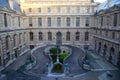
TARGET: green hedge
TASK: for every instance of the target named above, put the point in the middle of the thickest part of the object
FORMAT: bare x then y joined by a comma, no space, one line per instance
62,56
55,50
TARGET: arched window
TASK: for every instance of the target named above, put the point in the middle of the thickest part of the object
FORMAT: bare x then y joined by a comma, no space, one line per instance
77,36
68,36
15,40
40,36
49,36
99,47
31,36
8,42
86,36
20,38
0,52
24,37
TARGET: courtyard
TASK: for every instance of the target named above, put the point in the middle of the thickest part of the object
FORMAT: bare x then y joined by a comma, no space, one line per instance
99,66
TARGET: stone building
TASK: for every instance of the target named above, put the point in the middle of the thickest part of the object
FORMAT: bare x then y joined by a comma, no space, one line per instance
106,33
25,24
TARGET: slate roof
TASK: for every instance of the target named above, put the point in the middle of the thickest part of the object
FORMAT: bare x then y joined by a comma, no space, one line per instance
104,6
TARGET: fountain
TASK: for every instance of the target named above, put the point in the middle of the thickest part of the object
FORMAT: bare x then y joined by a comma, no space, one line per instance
57,56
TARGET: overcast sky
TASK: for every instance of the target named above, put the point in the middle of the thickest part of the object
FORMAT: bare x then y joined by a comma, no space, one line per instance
99,0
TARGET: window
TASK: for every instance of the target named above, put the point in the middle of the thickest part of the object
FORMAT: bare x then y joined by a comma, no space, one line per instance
39,10
19,21
0,52
24,37
0,47
113,35
58,10
101,20
31,36
49,36
49,21
87,22
14,40
77,21
7,42
86,36
115,20
78,9
68,9
40,36
87,10
77,36
20,38
30,21
39,21
30,10
68,36
58,21
5,20
106,33
68,21
49,10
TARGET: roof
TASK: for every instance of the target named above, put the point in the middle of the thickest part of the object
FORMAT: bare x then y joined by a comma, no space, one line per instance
5,3
105,4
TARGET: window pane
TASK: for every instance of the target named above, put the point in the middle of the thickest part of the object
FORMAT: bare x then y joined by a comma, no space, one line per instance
39,21
49,21
68,36
58,10
77,36
39,10
68,21
86,36
115,19
49,36
30,21
77,21
68,9
78,9
49,10
30,10
58,21
40,36
31,36
5,20
87,21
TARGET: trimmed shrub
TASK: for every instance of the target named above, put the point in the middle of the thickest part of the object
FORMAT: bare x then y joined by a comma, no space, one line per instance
55,50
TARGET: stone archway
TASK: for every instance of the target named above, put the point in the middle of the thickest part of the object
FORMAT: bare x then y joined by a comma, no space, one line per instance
105,50
118,61
58,38
111,55
99,47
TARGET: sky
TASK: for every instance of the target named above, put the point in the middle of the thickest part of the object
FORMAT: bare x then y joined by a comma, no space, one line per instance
99,1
